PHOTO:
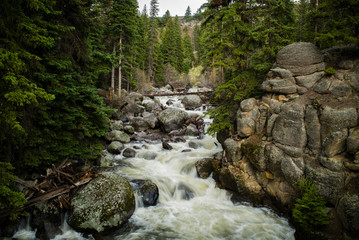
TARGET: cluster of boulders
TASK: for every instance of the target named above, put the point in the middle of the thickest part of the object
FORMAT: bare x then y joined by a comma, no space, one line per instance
108,201
306,125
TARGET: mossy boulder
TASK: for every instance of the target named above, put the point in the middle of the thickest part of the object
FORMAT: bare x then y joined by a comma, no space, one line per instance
106,202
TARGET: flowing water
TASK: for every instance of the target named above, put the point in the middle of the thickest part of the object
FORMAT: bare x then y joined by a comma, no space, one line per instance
189,207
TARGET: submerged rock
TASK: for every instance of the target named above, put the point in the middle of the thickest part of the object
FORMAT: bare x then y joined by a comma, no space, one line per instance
129,153
146,190
204,167
106,202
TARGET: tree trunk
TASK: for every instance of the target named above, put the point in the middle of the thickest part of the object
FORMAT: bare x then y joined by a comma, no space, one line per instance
120,68
213,68
112,89
316,22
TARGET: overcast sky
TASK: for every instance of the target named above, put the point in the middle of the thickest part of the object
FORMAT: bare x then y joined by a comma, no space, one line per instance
176,7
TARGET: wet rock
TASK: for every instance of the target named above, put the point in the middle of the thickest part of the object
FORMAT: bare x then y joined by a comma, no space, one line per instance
146,190
47,230
192,130
116,135
106,202
348,210
204,167
191,102
129,153
115,147
178,132
166,145
186,192
46,218
194,145
301,59
148,155
172,119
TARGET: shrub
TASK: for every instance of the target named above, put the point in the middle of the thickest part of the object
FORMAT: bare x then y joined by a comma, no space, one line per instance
309,210
329,71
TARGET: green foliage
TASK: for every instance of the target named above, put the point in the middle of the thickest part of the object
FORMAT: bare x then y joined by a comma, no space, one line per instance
329,71
188,14
10,199
309,210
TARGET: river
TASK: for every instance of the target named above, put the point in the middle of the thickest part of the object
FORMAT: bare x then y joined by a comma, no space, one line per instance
188,207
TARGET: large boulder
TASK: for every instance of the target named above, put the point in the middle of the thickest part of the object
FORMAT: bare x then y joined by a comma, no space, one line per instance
139,124
116,135
172,119
301,59
204,167
191,102
280,81
106,202
115,147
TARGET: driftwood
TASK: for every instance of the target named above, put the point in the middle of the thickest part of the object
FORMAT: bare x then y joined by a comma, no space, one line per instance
58,185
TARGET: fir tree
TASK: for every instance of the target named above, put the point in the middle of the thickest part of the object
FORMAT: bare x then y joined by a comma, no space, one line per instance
188,14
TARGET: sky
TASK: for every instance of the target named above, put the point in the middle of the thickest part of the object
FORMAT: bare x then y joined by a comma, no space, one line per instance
176,7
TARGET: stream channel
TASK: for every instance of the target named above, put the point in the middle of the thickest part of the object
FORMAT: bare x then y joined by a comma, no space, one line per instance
188,207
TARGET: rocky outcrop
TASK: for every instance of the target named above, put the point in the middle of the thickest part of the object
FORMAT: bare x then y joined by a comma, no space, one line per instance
104,203
306,125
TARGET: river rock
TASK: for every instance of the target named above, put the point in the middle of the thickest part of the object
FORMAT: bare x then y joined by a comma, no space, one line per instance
348,210
191,102
129,129
115,147
301,59
146,190
194,145
192,130
150,119
116,135
139,123
172,119
166,145
204,167
129,153
106,202
289,127
151,104
148,155
116,125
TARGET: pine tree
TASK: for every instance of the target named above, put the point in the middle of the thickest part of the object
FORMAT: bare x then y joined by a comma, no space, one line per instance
153,38
188,14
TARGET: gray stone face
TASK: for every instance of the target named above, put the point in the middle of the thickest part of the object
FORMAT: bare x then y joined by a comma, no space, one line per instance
348,210
340,89
346,64
335,143
353,140
284,86
333,120
172,119
191,102
291,171
289,127
290,150
312,126
323,85
334,164
151,105
309,80
106,202
328,182
274,157
270,124
246,127
248,104
353,79
262,120
301,59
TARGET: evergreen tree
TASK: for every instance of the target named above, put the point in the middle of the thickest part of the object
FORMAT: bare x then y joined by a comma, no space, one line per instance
188,14
153,38
188,53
